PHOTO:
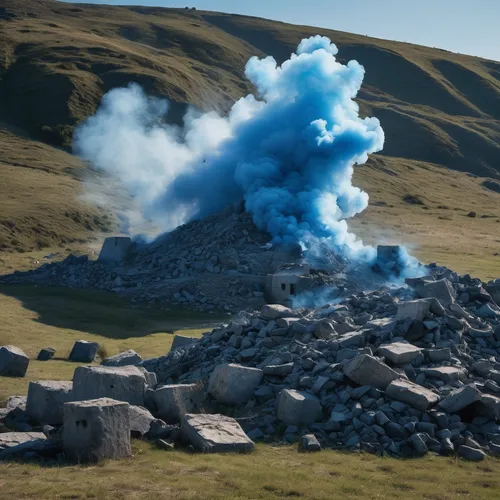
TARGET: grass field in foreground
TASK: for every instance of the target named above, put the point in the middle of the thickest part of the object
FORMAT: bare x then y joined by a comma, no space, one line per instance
268,473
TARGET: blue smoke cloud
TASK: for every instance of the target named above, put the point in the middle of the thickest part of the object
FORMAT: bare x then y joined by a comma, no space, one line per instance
289,152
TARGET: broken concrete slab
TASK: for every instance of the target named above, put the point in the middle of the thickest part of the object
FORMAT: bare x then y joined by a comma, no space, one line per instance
234,384
215,434
413,394
460,398
297,408
83,351
46,399
275,311
126,358
96,429
446,373
13,361
413,309
123,383
174,401
11,439
441,290
399,353
367,370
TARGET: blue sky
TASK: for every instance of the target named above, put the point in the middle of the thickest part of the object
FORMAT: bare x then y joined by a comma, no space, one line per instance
468,27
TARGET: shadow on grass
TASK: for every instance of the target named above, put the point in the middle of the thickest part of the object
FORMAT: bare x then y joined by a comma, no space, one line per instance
103,313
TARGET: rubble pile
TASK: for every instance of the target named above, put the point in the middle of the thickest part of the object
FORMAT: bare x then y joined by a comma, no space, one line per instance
218,263
395,371
398,371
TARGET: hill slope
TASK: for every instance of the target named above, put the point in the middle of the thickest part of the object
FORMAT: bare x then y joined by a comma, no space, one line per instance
58,59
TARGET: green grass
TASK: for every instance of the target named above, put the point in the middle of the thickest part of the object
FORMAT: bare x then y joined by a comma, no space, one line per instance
268,473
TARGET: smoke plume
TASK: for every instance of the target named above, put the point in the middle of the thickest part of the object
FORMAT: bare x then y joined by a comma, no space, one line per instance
289,151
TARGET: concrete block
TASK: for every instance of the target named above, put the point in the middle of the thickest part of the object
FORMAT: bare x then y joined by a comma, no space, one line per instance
460,398
13,361
413,309
297,408
367,370
96,429
215,434
126,358
115,249
413,394
46,400
174,401
234,384
124,383
46,354
399,353
441,290
83,351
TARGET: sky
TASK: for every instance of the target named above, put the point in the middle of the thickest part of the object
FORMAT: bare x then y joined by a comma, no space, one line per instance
464,26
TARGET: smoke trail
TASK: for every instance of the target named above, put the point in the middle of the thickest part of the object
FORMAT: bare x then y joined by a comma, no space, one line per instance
289,152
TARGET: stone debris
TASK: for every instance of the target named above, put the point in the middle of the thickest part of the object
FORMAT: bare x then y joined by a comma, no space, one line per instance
46,399
46,354
126,358
13,361
308,443
215,434
84,351
124,383
96,429
400,371
182,340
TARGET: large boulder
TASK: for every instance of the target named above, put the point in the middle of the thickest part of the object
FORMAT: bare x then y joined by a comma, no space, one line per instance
399,353
46,399
83,351
460,398
297,408
174,401
416,310
234,384
46,354
215,434
125,358
441,290
413,394
367,370
123,383
13,361
96,429
140,420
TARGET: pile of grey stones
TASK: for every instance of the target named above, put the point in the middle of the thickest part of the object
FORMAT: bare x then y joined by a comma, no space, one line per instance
215,264
399,371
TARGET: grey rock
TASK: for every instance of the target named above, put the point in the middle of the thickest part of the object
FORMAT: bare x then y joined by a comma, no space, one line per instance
297,408
367,370
46,354
308,443
400,353
441,290
215,434
471,454
234,384
438,355
86,430
182,340
123,383
140,420
125,358
46,399
84,351
174,401
413,309
278,370
460,398
275,311
415,395
13,361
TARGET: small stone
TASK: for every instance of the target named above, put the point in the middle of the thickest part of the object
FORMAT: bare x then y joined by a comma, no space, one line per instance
399,353
309,443
297,408
125,358
46,354
471,454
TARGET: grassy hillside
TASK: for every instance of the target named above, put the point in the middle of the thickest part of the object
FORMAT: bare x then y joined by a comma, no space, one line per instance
438,109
